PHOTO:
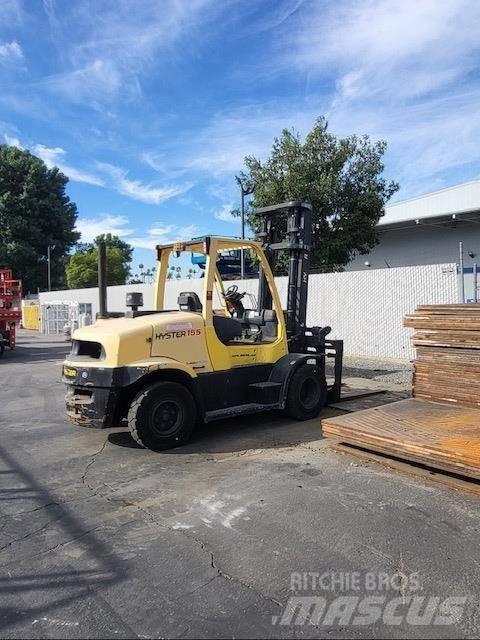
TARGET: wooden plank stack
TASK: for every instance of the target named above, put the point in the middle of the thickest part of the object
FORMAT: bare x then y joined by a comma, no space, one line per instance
435,434
440,426
447,343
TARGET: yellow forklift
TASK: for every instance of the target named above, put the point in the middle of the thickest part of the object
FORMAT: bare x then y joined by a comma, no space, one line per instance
228,353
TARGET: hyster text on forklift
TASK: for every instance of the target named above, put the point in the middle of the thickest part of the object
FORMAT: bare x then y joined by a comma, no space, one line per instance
226,354
10,308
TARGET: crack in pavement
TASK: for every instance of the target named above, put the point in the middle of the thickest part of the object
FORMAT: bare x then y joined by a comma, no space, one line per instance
92,461
29,535
153,520
223,574
165,527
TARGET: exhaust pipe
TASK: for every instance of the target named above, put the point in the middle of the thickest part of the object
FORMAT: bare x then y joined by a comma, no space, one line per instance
102,280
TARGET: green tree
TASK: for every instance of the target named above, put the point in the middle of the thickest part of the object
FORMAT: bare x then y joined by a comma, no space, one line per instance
82,270
35,212
340,177
110,241
116,243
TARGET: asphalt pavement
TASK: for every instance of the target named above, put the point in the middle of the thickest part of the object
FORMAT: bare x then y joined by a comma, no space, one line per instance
257,528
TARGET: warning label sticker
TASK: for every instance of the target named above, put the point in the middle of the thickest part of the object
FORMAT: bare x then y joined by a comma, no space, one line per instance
179,326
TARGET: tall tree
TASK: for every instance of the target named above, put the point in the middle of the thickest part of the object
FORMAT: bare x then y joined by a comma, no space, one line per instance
340,177
82,270
110,241
35,212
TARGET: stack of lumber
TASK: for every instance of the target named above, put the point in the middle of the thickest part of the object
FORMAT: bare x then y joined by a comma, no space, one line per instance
447,343
440,426
434,434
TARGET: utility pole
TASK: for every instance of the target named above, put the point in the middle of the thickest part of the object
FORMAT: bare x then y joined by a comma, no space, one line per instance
244,191
462,277
475,282
48,269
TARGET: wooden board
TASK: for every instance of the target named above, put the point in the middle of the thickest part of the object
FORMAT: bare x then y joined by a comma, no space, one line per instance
370,400
429,309
461,339
457,322
420,471
438,435
447,343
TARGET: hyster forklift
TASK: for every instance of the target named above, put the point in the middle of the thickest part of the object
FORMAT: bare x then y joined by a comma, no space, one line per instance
163,370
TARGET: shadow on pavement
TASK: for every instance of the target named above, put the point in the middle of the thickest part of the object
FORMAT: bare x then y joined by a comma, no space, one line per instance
259,431
38,353
55,588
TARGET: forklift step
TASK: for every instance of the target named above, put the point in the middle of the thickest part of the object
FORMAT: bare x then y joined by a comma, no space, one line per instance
238,410
264,392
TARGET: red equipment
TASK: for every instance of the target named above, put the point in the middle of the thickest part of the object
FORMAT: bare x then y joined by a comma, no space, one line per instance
10,308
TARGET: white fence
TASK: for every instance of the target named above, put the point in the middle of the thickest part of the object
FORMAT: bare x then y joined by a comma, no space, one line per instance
364,308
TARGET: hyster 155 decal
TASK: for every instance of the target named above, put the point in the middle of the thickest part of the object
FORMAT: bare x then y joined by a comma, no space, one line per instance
169,335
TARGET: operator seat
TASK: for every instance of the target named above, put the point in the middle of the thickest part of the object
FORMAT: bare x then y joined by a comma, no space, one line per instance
189,301
227,328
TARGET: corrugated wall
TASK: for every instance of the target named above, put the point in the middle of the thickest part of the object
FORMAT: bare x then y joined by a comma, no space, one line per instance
365,308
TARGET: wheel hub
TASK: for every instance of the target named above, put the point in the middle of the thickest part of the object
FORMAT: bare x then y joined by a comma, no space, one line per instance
166,418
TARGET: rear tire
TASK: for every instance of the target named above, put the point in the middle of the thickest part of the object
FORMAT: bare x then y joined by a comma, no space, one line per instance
307,393
162,416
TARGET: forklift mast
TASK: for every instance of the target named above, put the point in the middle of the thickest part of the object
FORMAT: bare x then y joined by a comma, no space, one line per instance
296,239
297,244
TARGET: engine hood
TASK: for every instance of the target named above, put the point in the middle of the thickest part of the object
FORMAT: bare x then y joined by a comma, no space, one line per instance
127,340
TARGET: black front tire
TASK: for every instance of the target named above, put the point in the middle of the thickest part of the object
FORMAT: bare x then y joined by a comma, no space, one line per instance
162,416
307,393
2,349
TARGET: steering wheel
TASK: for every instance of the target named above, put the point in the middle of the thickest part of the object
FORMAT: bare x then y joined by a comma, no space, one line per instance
232,293
233,297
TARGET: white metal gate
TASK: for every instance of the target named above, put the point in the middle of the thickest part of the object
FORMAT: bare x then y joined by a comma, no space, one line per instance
55,316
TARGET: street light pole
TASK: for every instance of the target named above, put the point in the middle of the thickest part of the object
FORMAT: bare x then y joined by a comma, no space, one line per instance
244,191
242,257
48,263
49,271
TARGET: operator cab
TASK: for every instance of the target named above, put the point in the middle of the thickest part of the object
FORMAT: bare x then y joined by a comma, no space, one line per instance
239,322
227,329
258,325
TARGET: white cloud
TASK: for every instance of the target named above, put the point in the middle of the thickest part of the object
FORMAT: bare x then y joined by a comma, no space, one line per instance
96,79
162,165
399,48
120,226
90,228
11,50
402,70
148,193
220,148
110,53
53,157
12,141
225,215
163,234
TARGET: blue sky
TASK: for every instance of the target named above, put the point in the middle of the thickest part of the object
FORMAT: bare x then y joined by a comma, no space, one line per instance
150,106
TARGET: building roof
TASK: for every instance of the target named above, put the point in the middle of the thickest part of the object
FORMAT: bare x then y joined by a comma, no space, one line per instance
459,200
